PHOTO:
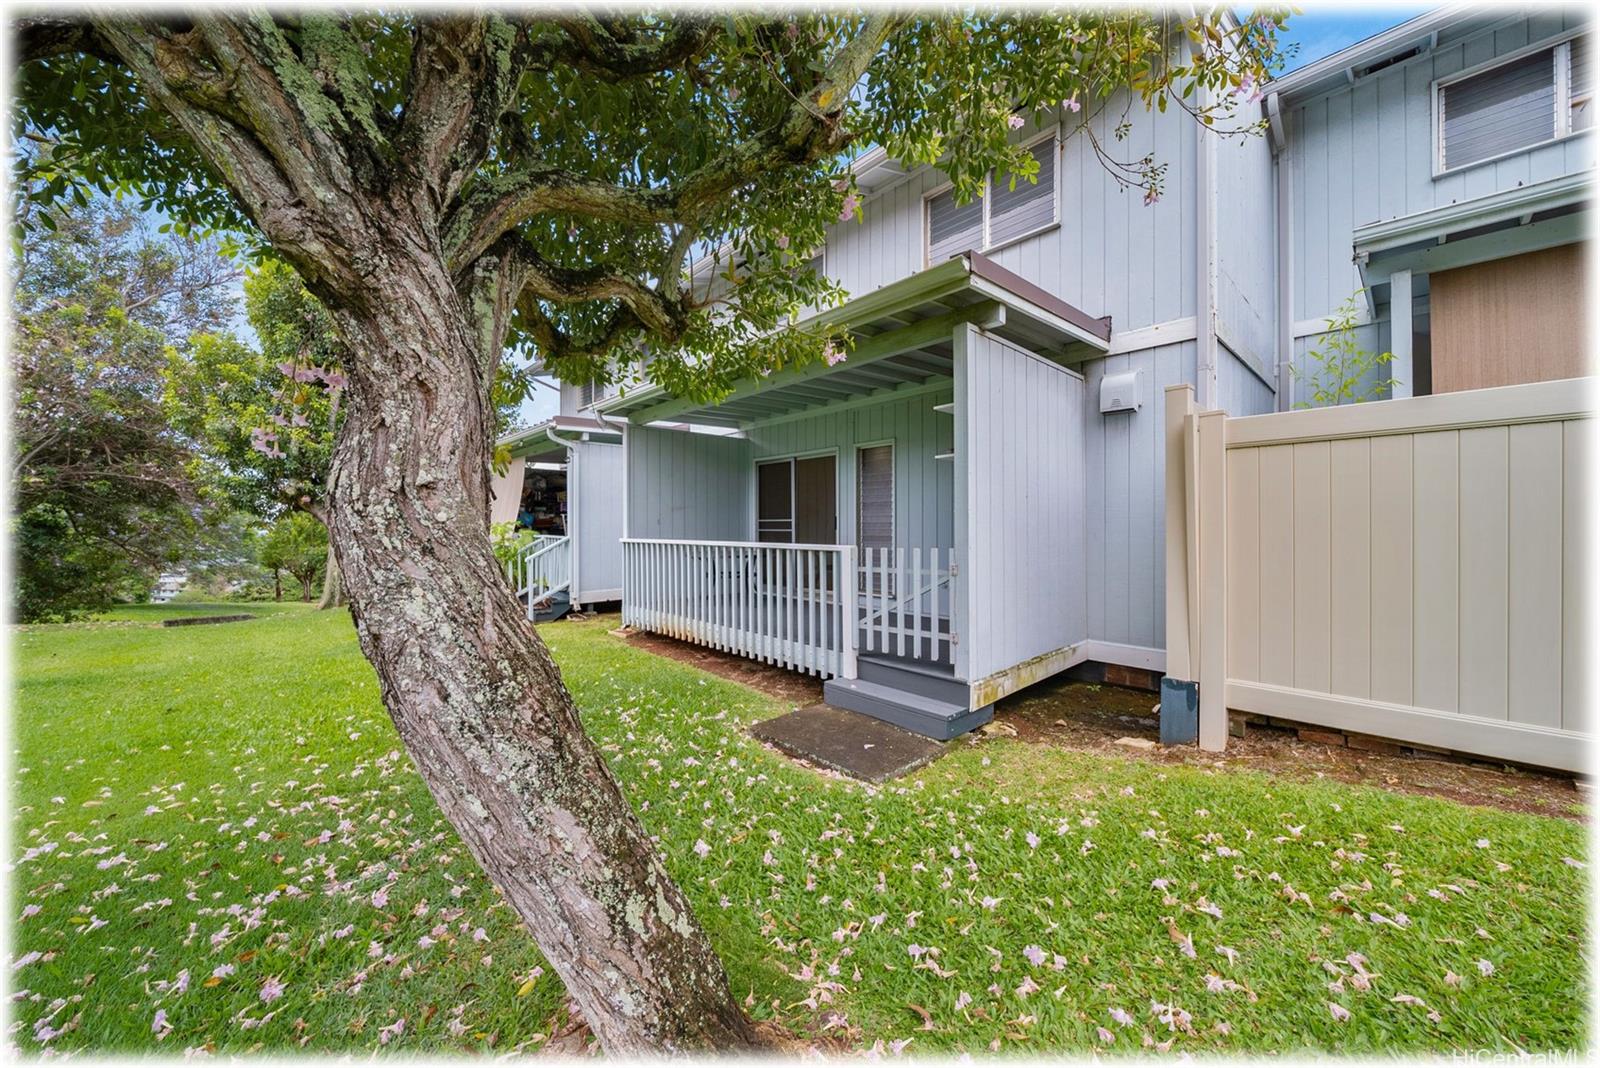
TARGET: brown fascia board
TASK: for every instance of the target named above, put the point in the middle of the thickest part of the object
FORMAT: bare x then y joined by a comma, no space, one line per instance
987,269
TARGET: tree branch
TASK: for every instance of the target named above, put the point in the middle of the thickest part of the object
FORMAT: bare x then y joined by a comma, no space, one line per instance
810,130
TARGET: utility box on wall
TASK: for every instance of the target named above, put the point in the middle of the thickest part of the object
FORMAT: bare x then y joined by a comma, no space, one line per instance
1122,392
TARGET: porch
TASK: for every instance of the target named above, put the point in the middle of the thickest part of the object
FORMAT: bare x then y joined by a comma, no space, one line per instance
831,520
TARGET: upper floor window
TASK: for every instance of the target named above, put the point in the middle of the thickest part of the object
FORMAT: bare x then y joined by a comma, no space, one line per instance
1001,215
1514,104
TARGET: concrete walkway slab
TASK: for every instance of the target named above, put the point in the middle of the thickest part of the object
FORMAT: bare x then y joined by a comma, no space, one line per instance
848,742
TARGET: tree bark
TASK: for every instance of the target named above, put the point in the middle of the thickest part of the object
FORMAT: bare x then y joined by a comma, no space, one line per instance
475,695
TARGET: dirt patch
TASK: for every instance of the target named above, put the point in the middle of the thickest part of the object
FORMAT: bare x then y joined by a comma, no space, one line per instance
1091,717
798,690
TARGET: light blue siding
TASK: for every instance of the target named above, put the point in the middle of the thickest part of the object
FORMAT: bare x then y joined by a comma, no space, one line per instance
924,493
683,485
1241,389
1124,544
1111,254
595,496
1022,577
1364,153
1246,248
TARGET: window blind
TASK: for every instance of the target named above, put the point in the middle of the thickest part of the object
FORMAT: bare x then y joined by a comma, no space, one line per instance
875,496
1503,109
953,228
1580,92
1028,207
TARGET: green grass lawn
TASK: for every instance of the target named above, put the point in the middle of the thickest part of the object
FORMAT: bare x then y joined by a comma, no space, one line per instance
218,841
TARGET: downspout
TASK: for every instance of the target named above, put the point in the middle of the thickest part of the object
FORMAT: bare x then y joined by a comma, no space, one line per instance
1283,175
1205,312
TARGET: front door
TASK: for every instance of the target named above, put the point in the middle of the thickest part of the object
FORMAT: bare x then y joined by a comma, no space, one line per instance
797,501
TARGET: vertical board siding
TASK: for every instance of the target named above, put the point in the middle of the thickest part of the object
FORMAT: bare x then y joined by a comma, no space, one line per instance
1363,153
597,519
683,485
1024,526
1427,564
1124,470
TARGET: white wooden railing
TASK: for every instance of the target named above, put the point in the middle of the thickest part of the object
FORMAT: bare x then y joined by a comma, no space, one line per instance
541,570
906,600
789,605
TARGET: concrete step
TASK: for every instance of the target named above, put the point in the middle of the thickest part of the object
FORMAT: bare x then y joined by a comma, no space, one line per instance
933,680
927,716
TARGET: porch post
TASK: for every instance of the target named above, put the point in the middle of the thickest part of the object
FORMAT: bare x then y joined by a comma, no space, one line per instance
1400,329
848,613
1179,693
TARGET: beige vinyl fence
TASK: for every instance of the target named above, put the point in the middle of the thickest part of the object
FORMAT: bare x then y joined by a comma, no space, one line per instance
1412,569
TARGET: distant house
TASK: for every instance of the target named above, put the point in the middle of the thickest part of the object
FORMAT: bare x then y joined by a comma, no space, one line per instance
168,585
564,483
974,499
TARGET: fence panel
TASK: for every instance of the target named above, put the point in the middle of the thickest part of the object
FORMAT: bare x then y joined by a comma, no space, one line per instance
1413,569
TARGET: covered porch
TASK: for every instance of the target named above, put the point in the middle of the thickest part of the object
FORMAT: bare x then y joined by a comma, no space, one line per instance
824,520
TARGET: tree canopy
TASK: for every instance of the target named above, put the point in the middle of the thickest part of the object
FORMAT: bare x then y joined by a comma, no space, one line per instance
581,160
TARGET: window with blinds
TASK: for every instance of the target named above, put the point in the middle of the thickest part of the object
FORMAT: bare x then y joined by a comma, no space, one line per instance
1514,105
1019,206
999,215
953,228
587,394
875,496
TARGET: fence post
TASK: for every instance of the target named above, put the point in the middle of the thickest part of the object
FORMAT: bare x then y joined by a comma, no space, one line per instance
1213,501
1179,699
847,612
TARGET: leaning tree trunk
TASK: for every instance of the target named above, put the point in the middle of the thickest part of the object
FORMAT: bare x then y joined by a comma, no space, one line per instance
332,588
475,694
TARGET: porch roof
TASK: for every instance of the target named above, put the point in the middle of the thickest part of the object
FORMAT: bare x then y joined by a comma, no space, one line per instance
903,337
554,435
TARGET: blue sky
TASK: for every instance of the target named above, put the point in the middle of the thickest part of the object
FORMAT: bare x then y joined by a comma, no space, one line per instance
1323,29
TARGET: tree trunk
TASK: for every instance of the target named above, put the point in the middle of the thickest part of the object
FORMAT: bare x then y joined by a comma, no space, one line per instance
277,584
332,588
475,695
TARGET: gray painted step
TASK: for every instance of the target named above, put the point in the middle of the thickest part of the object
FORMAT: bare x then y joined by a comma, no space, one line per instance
937,681
552,608
926,716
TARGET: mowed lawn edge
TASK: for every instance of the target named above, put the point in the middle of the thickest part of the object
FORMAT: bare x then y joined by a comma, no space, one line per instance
220,844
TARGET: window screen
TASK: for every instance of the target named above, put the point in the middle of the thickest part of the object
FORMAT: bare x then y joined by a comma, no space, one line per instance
586,394
1014,212
1501,110
953,228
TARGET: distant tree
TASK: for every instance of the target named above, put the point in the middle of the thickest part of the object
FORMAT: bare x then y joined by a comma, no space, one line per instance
100,482
298,544
263,422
